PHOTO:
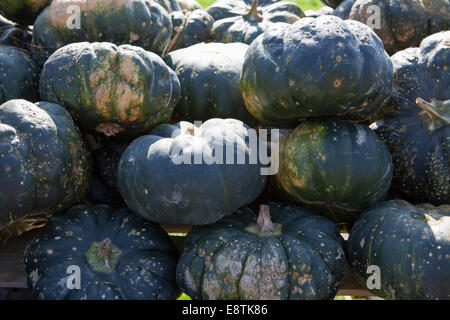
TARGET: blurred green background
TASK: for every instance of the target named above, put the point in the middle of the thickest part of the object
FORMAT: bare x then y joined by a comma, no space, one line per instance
304,4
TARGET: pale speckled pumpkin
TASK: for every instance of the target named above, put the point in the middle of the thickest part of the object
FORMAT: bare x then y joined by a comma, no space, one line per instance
411,246
111,89
286,252
120,256
44,164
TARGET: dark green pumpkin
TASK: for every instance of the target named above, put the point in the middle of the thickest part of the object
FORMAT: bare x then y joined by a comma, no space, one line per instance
114,90
209,76
12,35
244,20
23,12
286,252
169,5
410,245
403,23
316,67
19,75
332,3
182,174
343,10
119,256
189,28
141,23
419,140
337,167
44,164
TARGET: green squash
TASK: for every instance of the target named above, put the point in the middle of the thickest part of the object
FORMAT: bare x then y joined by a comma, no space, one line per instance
19,75
332,3
419,137
209,76
113,90
141,23
12,35
410,245
44,165
286,252
118,255
313,68
337,167
403,23
184,174
23,12
189,28
244,20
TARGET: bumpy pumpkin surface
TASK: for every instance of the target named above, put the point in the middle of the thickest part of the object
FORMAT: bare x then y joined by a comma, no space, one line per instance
11,35
119,256
411,246
286,253
337,167
44,164
19,75
189,28
184,174
419,139
23,12
209,75
403,23
316,67
111,89
143,23
244,20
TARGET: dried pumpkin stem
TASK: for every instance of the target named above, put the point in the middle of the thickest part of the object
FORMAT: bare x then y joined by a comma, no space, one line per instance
264,222
105,250
440,113
253,14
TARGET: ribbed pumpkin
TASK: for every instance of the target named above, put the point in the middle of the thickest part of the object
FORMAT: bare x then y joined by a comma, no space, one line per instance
403,23
337,167
118,255
286,252
23,12
189,28
343,10
410,245
142,23
209,75
114,90
44,164
12,35
244,20
419,139
316,67
184,174
19,75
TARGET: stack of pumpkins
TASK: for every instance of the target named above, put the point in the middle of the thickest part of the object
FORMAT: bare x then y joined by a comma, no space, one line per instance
118,116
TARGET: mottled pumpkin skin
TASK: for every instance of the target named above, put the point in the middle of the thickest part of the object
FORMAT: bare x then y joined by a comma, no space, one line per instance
44,163
156,183
23,12
320,12
141,23
114,90
404,23
169,5
421,158
337,167
231,24
142,265
209,75
313,68
332,3
343,10
189,28
12,35
411,246
304,261
19,75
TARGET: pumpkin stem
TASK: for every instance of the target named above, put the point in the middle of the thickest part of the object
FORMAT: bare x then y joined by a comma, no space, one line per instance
254,14
190,131
264,222
438,113
104,251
